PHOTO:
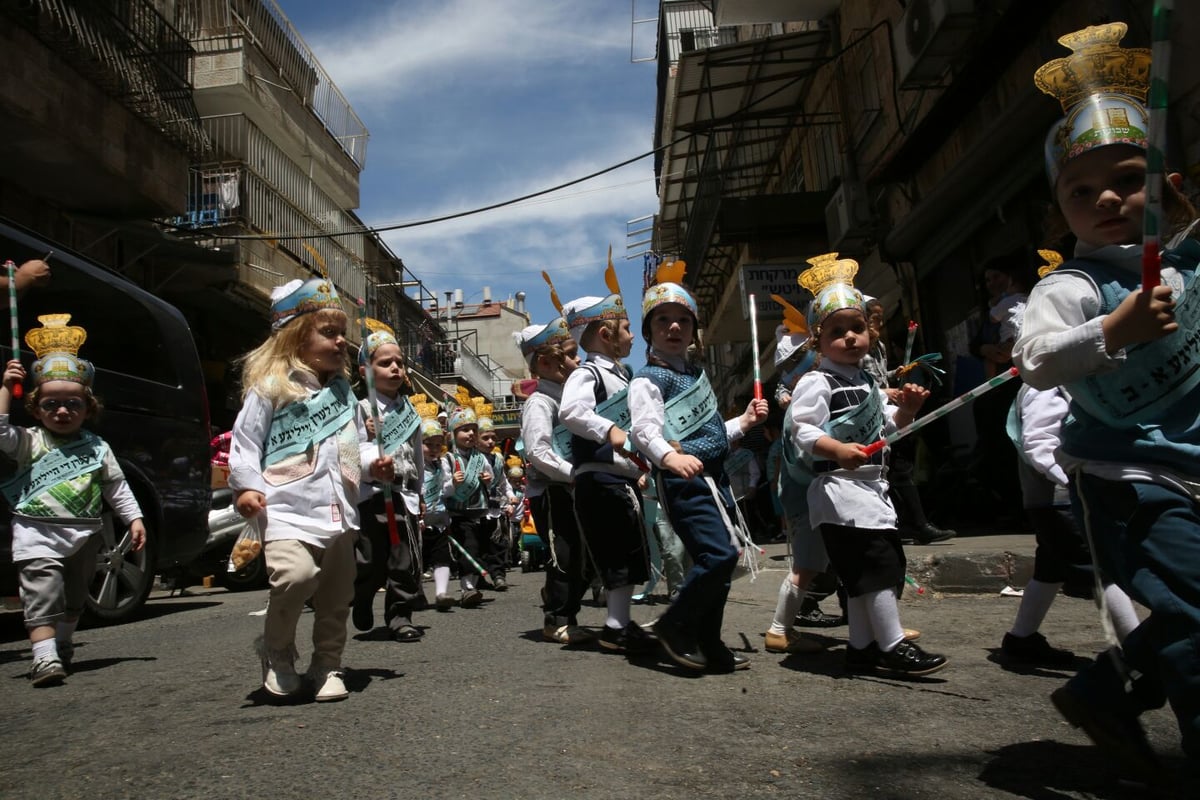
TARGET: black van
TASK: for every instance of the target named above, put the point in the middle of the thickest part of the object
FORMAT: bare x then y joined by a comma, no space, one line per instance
155,416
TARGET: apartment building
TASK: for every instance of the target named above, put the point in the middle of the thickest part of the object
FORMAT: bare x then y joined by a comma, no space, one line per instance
198,148
905,135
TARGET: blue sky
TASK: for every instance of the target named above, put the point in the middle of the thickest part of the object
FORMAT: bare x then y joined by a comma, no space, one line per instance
472,102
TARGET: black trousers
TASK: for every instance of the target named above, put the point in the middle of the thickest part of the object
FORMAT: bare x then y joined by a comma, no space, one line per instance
396,569
554,511
435,547
467,531
493,550
865,560
609,511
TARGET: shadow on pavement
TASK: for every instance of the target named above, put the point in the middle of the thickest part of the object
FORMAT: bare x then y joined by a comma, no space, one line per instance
12,624
996,656
91,665
1048,770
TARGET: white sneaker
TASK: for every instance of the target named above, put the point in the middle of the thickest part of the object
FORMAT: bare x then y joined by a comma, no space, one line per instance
279,671
282,680
329,685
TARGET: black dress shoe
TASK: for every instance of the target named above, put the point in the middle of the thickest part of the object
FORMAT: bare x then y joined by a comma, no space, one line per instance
721,659
864,659
499,584
407,633
907,658
631,640
930,533
683,652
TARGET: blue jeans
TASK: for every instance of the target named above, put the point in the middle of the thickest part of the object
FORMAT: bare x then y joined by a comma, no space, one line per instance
699,610
1147,539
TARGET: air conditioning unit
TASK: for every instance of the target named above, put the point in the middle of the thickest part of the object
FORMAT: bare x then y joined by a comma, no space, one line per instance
929,35
848,217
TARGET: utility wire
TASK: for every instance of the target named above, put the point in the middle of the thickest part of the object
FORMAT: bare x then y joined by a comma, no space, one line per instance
712,124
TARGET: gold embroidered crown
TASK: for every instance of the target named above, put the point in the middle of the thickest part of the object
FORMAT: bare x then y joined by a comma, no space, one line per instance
827,270
1097,64
56,336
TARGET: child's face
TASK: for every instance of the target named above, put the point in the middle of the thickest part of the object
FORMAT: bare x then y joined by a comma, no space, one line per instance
432,447
875,321
324,351
487,440
464,437
62,407
671,329
388,365
554,368
616,344
1102,195
844,337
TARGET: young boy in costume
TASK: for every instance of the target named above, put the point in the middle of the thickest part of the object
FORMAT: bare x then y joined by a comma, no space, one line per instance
552,356
836,411
608,503
63,474
394,567
1132,441
677,423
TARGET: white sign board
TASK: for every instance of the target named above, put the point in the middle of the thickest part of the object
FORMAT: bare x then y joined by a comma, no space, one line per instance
764,280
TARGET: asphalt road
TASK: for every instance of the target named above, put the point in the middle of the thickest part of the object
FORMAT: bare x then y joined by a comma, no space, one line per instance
169,707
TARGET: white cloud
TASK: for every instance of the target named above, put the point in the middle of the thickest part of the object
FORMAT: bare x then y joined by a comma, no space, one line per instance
423,47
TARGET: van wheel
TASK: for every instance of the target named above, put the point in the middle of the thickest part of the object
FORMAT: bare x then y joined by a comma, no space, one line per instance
123,578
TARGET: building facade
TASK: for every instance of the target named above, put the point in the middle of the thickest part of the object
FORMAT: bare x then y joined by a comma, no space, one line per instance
907,136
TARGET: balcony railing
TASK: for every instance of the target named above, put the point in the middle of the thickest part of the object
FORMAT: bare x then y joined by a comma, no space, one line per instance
128,50
254,184
265,24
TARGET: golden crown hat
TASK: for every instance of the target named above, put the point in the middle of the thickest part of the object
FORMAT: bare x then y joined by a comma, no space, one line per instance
428,412
56,345
831,281
1102,89
380,334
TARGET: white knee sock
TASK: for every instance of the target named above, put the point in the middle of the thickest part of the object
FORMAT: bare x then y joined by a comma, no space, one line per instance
45,649
1120,608
858,620
441,580
64,631
885,618
787,606
1036,601
619,600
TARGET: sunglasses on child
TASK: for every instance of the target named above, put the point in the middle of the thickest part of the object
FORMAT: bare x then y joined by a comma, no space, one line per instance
72,404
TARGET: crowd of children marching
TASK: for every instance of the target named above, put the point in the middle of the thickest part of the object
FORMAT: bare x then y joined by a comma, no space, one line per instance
352,496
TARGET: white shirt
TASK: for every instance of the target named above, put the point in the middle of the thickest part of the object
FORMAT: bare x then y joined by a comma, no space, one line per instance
539,415
856,498
314,508
34,538
1062,341
1042,413
409,457
578,411
647,411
